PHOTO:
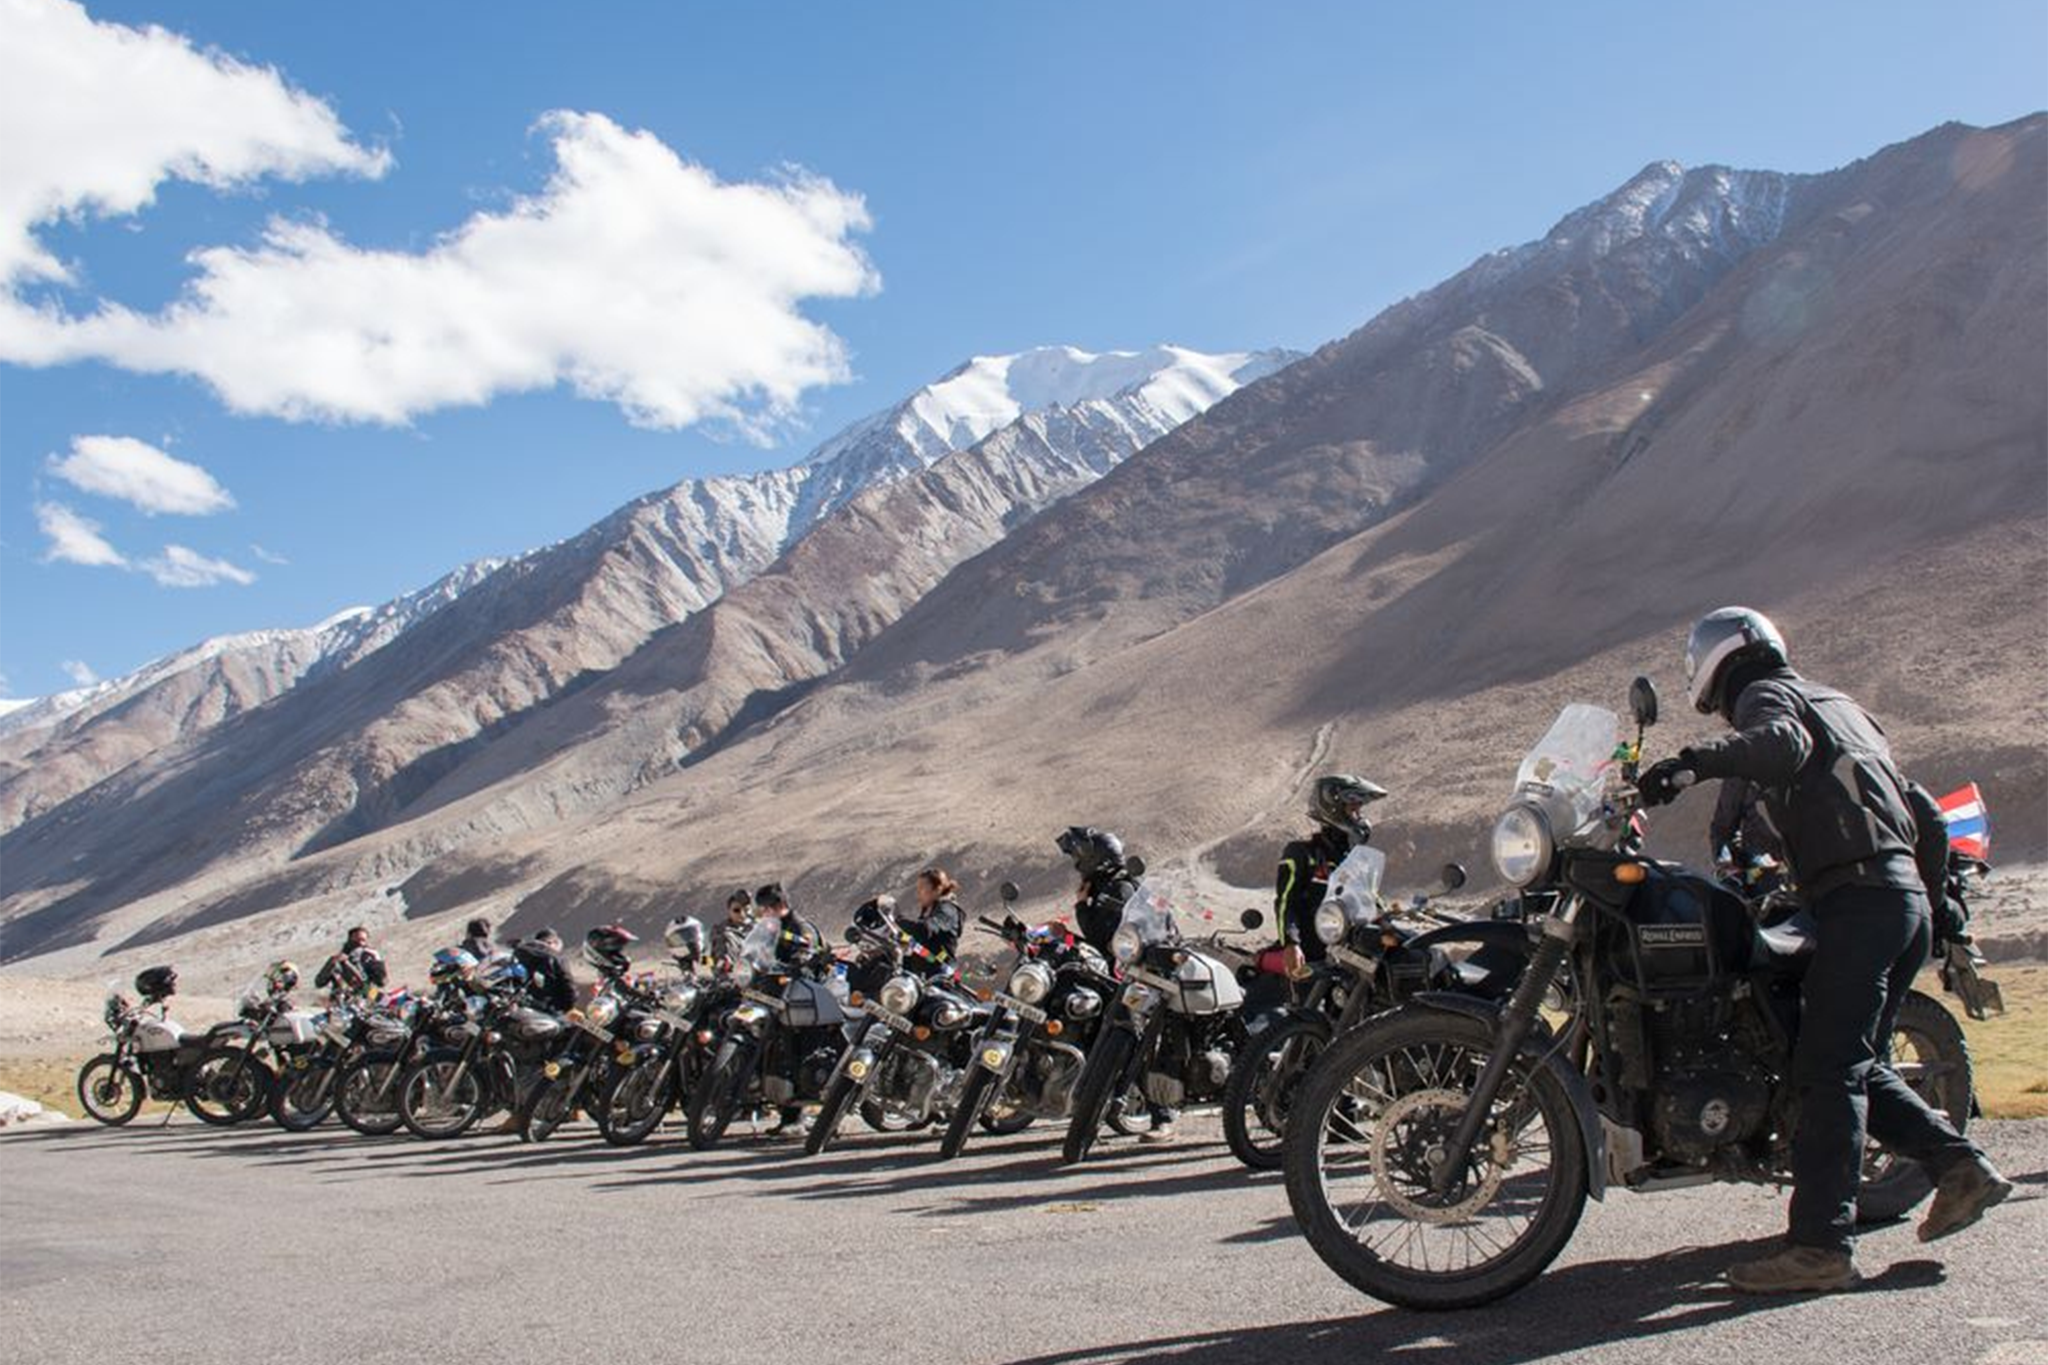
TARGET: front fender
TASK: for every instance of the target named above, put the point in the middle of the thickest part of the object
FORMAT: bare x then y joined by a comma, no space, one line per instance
1539,1046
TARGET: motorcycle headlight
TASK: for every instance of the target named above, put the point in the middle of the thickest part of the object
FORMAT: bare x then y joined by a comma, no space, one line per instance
680,999
649,1030
950,1014
602,1011
900,995
1124,945
1083,1004
1031,982
1522,844
1330,921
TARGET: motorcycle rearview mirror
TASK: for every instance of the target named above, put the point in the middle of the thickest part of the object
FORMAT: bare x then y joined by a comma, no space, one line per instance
1642,701
1252,919
1453,876
1009,892
852,934
1135,865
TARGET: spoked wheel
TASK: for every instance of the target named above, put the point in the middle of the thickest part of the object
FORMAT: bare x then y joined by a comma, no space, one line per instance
366,1094
716,1099
1005,1116
975,1097
1262,1086
1931,1055
228,1086
1102,1095
547,1106
1366,1136
439,1097
109,1092
839,1097
882,1120
635,1103
304,1096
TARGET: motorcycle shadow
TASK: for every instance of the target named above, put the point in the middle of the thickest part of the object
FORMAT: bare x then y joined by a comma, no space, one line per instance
1573,1308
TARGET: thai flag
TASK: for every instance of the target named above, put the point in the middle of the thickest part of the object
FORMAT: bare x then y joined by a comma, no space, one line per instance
1969,829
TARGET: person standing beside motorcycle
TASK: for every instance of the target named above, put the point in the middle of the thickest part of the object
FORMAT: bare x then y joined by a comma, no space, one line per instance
476,939
797,940
1106,883
357,969
940,919
730,937
1838,802
548,981
1337,805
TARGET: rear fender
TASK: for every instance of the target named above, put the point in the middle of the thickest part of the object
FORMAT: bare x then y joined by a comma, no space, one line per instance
1540,1045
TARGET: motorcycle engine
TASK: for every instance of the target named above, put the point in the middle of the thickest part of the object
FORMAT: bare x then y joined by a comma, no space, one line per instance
815,1071
1695,1113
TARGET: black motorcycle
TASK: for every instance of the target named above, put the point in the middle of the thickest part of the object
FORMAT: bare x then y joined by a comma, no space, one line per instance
482,1062
1027,1060
1174,1027
906,1056
777,1046
366,1087
581,1071
669,1049
1440,1155
1373,961
220,1074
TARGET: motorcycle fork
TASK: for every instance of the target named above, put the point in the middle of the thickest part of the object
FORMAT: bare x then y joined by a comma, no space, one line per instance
1517,1021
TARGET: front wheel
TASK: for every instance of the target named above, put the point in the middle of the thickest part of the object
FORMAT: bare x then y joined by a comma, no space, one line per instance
716,1098
366,1094
547,1107
635,1103
304,1096
974,1098
1102,1081
109,1092
440,1097
1364,1143
1932,1056
229,1085
1262,1085
839,1097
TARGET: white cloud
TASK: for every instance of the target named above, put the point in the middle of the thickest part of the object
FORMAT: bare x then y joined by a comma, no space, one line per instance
267,556
80,673
75,539
178,567
137,472
94,116
634,277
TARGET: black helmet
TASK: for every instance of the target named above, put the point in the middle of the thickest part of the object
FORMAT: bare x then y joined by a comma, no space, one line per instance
685,938
157,983
1093,850
1720,641
1339,801
605,949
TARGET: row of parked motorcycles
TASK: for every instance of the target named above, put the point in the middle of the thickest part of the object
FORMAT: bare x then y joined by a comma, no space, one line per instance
1444,1095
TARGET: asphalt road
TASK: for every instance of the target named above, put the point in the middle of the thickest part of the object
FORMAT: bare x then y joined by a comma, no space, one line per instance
181,1243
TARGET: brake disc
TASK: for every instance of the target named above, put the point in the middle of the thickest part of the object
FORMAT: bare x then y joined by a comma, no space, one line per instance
1404,1186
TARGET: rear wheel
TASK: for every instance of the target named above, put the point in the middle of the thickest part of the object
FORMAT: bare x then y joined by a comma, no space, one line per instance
635,1103
839,1098
229,1085
109,1092
366,1094
1365,1142
439,1097
1932,1056
304,1096
1262,1085
1102,1082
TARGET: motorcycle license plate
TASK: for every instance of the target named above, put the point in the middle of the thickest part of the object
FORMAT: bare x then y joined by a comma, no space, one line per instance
1357,961
1030,1014
602,1035
765,1001
893,1020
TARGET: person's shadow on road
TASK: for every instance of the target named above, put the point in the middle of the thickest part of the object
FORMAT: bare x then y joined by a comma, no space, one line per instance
1593,1303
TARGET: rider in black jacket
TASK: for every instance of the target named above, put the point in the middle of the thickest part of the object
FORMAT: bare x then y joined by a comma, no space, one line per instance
476,939
1106,883
797,940
940,918
1337,805
1840,806
548,981
356,969
729,936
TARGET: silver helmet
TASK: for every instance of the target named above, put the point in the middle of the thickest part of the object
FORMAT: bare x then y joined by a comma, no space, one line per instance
1720,640
1339,801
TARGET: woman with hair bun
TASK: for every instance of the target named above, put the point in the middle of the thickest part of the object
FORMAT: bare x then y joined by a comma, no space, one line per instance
939,919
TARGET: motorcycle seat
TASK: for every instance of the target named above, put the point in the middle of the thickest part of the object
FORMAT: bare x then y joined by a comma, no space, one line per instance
1786,948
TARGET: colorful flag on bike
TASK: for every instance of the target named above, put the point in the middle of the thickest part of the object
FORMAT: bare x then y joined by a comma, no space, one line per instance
1969,828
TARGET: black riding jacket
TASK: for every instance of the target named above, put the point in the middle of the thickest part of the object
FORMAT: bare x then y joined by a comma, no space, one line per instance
1301,883
798,940
548,982
938,930
1829,784
352,969
1099,907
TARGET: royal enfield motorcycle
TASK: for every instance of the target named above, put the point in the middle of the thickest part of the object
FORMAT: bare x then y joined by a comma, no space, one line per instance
777,1046
366,1088
1175,1026
1440,1155
1375,958
1027,1060
217,1074
483,1061
669,1047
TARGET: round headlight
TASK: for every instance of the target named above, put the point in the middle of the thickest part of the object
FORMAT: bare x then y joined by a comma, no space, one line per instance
899,996
950,1014
680,999
1123,945
1083,1004
602,1011
1521,844
1330,921
649,1030
1031,982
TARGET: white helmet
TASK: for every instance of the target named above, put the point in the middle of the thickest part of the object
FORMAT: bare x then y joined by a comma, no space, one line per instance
685,938
1721,639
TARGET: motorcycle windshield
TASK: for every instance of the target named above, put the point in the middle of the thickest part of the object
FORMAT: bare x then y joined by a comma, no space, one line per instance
758,948
1571,767
1149,916
1355,885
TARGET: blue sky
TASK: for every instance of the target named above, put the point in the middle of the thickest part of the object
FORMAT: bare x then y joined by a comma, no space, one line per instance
1109,175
